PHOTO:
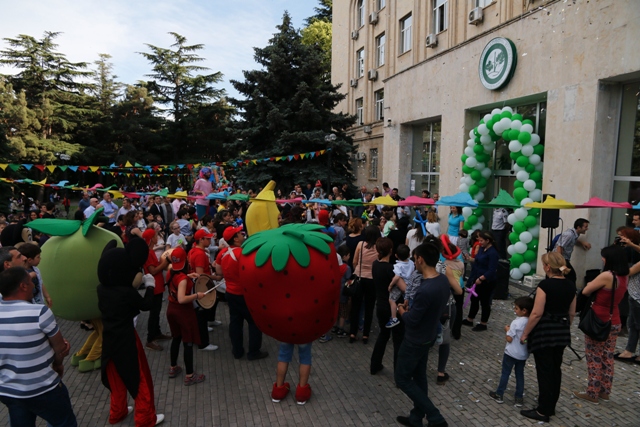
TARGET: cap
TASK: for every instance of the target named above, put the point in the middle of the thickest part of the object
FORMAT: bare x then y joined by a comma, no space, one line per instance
229,232
318,183
178,258
202,234
148,234
447,252
323,217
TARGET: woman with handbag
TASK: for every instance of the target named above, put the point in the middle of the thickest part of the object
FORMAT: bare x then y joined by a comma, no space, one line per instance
548,332
363,260
603,316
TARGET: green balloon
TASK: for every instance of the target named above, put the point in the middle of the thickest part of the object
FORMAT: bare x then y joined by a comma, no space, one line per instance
506,135
518,184
529,256
524,137
477,211
477,140
494,136
474,189
519,227
530,221
482,182
536,175
466,169
538,149
496,118
514,237
516,117
478,148
475,132
538,185
522,161
533,244
490,124
483,158
476,175
530,168
467,226
534,211
514,134
527,122
464,158
505,114
473,220
516,260
514,155
481,121
519,194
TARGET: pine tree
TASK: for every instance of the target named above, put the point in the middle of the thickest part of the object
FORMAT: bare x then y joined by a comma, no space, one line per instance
289,109
323,13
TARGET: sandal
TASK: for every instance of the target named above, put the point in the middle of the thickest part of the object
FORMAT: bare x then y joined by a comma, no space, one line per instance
174,371
631,359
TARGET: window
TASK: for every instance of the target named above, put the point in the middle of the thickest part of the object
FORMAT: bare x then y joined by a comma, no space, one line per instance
405,34
483,3
359,111
380,4
440,12
360,63
360,12
425,162
373,163
380,41
379,104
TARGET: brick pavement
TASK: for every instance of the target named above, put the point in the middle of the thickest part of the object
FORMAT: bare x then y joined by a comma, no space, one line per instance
237,392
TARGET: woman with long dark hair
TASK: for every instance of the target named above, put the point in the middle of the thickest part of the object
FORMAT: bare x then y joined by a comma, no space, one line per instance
455,223
363,259
354,237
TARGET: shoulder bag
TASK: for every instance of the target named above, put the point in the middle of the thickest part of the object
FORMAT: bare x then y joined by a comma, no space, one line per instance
591,324
352,287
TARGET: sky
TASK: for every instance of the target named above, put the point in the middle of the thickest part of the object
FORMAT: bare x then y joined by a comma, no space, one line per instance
228,29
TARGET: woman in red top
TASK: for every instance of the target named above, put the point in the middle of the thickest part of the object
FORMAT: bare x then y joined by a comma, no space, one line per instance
611,283
182,317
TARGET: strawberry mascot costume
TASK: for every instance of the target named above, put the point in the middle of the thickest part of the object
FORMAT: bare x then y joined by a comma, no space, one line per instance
291,282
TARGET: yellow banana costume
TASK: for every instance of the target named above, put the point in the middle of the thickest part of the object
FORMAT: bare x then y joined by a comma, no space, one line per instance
263,213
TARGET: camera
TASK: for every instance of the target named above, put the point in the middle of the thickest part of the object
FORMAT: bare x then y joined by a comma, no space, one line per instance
618,241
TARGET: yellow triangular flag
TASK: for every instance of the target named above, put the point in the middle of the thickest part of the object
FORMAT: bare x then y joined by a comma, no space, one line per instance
128,165
94,168
43,182
51,168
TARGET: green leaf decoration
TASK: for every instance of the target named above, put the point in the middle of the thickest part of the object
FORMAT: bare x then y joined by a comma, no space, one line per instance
291,239
86,225
239,196
55,227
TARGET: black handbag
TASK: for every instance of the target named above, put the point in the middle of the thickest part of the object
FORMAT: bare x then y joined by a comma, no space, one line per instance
352,287
591,324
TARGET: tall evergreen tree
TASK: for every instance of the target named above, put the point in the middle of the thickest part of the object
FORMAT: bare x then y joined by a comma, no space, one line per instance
289,109
324,12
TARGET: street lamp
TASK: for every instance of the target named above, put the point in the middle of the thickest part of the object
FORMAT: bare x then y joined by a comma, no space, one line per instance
329,139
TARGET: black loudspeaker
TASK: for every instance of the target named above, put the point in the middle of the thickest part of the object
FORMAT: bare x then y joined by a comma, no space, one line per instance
549,218
502,286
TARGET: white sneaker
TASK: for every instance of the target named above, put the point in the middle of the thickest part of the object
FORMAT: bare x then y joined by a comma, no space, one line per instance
215,323
210,347
129,409
209,328
159,418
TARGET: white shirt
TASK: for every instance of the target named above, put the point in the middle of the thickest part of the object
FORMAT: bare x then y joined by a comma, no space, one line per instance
514,348
89,211
404,269
173,240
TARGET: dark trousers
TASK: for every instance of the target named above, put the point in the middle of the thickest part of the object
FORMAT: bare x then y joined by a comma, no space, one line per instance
572,274
548,364
365,293
53,406
188,354
202,315
484,299
500,237
456,325
153,325
411,378
397,332
238,313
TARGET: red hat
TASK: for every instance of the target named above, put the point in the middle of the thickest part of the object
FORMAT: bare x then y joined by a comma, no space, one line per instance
447,252
318,183
323,217
148,234
202,234
178,258
230,232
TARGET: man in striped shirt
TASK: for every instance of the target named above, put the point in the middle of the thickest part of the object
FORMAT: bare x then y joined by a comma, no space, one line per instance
31,354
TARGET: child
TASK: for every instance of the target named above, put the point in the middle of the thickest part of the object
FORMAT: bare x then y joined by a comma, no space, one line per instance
176,238
343,310
515,354
463,242
31,252
402,269
390,216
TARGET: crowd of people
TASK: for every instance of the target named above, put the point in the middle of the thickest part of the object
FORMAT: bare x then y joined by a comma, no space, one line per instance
401,266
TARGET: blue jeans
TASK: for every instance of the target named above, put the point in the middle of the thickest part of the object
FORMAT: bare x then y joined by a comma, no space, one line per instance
53,406
508,363
285,353
411,377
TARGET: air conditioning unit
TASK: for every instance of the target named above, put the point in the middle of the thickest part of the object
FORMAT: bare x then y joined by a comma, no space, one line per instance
361,156
373,18
355,34
432,40
373,74
353,82
367,129
475,16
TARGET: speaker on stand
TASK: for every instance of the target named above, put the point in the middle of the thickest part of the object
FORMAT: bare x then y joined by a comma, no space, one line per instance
549,219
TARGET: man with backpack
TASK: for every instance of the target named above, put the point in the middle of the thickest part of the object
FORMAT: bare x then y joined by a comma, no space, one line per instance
568,239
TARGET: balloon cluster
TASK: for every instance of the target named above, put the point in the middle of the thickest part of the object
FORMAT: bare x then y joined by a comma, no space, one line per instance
526,151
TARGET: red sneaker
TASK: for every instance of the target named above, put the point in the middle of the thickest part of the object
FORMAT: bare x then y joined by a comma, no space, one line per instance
303,393
279,393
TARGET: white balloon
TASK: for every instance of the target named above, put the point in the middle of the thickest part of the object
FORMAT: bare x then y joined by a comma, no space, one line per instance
520,247
505,123
485,139
471,162
527,150
529,185
488,148
521,213
470,143
535,195
516,124
535,231
517,168
525,268
498,128
535,139
521,176
466,212
463,178
463,188
487,117
526,237
469,181
534,159
526,201
483,129
495,111
480,166
469,152
512,219
486,173
478,226
516,274
507,108
479,197
526,128
515,146
481,219
540,166
511,249
472,134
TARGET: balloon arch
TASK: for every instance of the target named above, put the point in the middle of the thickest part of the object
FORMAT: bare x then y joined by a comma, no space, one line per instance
526,151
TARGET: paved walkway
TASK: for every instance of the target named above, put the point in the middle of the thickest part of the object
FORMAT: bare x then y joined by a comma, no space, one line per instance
237,392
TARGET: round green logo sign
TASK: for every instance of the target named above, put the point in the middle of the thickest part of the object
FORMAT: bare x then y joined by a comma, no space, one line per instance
497,63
